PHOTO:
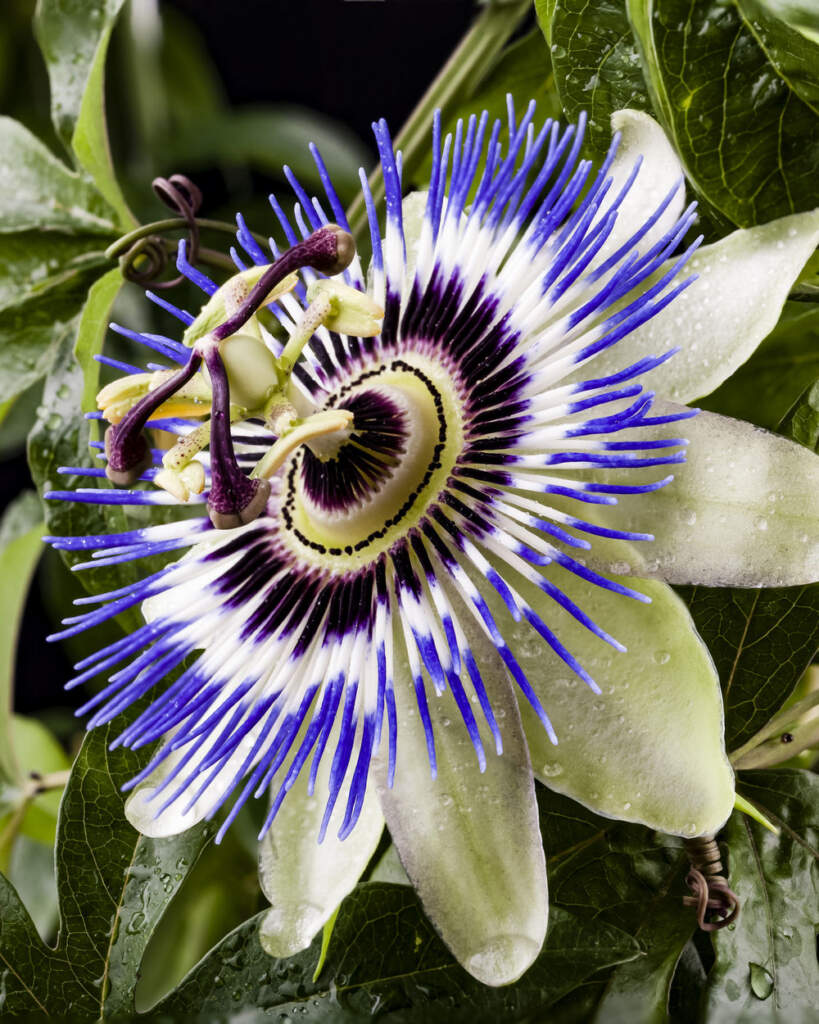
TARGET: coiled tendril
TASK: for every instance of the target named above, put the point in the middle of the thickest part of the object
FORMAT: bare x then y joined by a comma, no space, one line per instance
710,892
147,257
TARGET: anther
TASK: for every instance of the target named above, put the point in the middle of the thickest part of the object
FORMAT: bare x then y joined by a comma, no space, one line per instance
126,447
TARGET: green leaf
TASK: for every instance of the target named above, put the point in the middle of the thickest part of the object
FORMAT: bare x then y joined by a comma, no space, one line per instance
30,337
31,872
792,55
113,883
595,60
384,957
33,264
90,139
746,139
770,383
37,191
74,36
113,887
761,642
802,422
21,531
801,14
25,960
624,875
766,967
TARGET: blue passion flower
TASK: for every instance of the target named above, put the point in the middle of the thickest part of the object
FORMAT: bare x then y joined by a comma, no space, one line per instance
410,512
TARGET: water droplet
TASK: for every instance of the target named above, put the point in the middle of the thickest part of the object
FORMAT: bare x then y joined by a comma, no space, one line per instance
762,982
135,924
662,657
552,770
761,523
627,806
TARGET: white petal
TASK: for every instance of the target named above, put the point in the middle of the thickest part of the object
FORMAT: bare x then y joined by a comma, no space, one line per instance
720,319
303,879
470,841
649,748
741,512
659,172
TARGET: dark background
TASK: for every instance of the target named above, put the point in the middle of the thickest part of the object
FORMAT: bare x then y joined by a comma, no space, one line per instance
384,55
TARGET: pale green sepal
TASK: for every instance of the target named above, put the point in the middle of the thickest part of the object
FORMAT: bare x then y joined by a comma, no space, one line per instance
741,511
779,749
784,723
469,841
305,880
660,170
746,807
721,318
326,935
650,747
390,869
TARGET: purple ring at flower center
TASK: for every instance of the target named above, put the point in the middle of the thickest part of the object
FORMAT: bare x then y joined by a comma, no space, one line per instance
365,461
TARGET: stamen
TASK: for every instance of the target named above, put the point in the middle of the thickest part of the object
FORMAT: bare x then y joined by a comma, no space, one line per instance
126,447
329,250
332,421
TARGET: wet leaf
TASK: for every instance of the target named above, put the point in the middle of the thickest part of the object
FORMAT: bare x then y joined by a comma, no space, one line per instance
766,967
37,191
748,142
33,264
74,36
384,957
761,642
792,54
802,422
113,886
596,62
762,983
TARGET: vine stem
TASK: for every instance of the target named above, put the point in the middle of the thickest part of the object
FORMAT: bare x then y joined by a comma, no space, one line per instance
459,77
170,224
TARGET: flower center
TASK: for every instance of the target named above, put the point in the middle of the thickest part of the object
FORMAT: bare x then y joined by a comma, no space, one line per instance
404,440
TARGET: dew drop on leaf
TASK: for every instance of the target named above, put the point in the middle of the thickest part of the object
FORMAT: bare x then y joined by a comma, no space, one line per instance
762,982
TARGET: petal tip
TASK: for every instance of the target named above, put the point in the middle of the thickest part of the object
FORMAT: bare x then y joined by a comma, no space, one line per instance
503,960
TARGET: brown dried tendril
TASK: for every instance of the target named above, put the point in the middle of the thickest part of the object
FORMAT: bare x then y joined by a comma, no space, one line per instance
717,906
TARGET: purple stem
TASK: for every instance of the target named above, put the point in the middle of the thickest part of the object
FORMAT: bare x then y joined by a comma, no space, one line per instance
233,496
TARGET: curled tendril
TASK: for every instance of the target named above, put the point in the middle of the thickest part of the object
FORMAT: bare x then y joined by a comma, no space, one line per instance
147,257
717,906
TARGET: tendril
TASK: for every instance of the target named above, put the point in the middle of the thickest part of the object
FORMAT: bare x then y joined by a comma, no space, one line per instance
147,256
717,905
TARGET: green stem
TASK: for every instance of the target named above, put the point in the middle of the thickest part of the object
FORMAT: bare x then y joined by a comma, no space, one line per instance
170,224
457,80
